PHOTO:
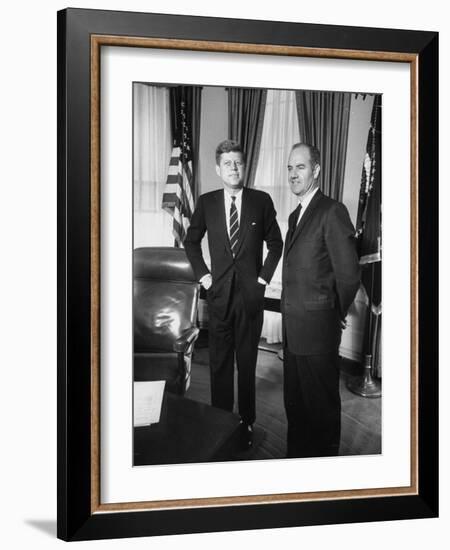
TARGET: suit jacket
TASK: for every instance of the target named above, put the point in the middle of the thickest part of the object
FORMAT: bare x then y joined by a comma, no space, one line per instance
321,276
257,224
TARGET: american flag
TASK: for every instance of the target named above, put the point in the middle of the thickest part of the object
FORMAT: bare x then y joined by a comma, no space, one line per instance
368,236
178,197
368,224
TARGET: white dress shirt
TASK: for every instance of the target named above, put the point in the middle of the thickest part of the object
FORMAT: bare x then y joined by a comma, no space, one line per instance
305,200
238,203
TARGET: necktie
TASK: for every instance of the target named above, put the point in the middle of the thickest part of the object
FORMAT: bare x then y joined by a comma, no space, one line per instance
234,225
294,220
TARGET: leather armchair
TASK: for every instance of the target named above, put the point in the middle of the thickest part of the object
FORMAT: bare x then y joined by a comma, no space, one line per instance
165,315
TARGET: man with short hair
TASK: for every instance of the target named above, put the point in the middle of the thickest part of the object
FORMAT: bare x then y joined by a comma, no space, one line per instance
320,279
238,221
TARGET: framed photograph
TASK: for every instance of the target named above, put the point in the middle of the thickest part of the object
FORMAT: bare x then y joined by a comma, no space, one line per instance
186,140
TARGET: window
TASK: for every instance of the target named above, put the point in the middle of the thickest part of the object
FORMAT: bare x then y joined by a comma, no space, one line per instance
280,132
152,147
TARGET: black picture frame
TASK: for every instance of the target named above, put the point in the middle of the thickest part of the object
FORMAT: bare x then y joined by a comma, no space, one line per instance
80,35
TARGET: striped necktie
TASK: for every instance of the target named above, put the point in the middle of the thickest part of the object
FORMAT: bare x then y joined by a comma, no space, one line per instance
234,225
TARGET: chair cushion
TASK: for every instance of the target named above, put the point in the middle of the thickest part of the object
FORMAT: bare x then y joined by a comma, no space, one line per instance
162,311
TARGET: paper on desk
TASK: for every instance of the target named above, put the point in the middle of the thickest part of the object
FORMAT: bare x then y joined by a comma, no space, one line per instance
147,402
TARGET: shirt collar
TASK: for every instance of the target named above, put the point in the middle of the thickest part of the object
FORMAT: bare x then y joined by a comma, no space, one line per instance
238,201
228,194
306,199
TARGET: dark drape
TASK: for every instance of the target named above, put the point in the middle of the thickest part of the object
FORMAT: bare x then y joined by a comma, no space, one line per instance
368,233
185,114
323,122
196,115
246,107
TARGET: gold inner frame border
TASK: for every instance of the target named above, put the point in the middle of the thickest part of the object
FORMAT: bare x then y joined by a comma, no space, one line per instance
97,41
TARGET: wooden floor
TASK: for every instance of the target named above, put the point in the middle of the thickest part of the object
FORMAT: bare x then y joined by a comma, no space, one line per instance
361,417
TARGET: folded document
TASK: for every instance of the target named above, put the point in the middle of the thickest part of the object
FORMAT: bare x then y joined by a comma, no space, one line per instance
147,402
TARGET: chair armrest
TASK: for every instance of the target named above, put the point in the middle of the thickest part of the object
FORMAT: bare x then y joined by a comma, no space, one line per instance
185,341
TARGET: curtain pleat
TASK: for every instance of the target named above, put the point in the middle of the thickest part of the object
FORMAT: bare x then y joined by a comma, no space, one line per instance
151,144
280,132
246,108
196,117
323,119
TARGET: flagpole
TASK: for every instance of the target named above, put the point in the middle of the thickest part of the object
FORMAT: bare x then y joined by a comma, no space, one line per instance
366,385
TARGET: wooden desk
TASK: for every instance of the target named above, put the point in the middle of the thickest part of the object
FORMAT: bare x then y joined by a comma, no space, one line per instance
188,432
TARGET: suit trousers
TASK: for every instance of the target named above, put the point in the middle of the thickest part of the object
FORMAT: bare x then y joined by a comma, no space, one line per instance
235,336
313,404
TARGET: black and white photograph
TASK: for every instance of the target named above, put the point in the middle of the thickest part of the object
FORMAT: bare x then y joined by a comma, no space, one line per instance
257,262
246,282
225,275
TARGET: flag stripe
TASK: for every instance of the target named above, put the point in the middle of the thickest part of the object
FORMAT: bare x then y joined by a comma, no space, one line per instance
178,198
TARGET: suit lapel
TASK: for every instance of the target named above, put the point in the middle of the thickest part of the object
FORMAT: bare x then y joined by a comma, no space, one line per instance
305,218
221,220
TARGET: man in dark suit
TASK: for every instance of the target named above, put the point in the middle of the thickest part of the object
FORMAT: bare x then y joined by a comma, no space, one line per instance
320,279
238,221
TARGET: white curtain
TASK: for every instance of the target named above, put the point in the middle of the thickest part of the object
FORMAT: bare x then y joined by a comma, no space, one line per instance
152,149
280,132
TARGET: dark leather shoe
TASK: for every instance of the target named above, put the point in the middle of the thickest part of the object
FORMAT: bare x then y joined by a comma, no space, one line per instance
246,436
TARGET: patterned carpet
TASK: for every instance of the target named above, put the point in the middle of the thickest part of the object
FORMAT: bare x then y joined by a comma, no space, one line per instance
361,417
